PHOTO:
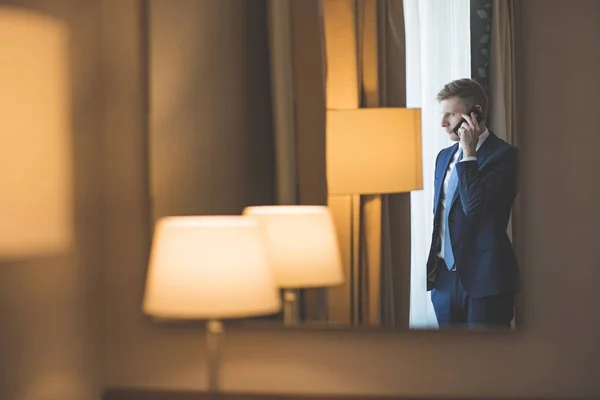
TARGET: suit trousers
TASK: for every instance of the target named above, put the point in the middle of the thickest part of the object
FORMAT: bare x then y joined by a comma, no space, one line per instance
453,306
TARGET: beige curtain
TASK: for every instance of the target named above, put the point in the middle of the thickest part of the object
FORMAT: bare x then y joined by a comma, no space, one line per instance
297,87
502,115
395,212
297,81
502,71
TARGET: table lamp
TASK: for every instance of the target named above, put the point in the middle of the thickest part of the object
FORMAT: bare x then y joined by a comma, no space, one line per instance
36,155
302,247
212,268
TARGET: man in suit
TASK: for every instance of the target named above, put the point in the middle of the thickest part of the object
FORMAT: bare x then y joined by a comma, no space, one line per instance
471,270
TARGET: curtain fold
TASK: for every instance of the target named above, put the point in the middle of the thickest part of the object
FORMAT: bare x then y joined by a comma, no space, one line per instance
309,101
282,94
502,75
297,85
395,208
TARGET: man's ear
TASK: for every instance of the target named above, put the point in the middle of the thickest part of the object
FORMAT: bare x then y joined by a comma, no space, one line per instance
484,117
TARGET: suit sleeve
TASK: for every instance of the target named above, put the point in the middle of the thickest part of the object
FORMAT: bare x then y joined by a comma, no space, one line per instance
482,189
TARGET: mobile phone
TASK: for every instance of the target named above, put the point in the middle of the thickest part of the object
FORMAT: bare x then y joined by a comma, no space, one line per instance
472,110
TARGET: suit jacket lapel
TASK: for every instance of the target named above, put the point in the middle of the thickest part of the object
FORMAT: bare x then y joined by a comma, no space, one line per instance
486,149
441,172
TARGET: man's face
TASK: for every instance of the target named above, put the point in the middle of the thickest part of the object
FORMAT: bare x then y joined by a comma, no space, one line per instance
452,110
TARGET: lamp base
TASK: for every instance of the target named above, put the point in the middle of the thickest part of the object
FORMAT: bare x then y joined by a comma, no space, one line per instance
290,307
214,330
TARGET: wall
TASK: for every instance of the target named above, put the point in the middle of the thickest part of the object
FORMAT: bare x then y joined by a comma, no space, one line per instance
51,324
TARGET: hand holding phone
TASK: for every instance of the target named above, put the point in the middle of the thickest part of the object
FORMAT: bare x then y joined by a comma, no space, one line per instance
462,121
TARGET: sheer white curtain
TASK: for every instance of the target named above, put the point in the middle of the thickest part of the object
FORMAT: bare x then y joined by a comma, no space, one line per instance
438,50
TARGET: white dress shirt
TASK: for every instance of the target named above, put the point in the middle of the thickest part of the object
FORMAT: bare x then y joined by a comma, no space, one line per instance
442,204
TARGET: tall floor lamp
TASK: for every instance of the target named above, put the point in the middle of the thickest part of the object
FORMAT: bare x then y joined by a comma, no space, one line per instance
370,151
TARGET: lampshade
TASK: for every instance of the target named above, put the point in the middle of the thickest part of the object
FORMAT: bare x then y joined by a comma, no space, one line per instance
302,245
36,206
209,267
374,151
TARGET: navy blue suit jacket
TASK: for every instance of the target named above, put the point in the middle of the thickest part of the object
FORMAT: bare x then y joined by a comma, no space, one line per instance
478,218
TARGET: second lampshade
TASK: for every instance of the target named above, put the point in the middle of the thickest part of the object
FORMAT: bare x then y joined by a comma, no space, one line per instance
302,245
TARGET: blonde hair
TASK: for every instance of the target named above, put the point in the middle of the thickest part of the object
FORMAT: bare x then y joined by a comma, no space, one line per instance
469,91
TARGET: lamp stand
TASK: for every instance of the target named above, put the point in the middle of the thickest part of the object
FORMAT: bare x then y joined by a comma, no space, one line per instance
214,330
290,307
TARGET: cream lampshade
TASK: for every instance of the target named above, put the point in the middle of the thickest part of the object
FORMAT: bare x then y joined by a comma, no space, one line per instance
209,267
374,151
303,249
36,206
302,245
